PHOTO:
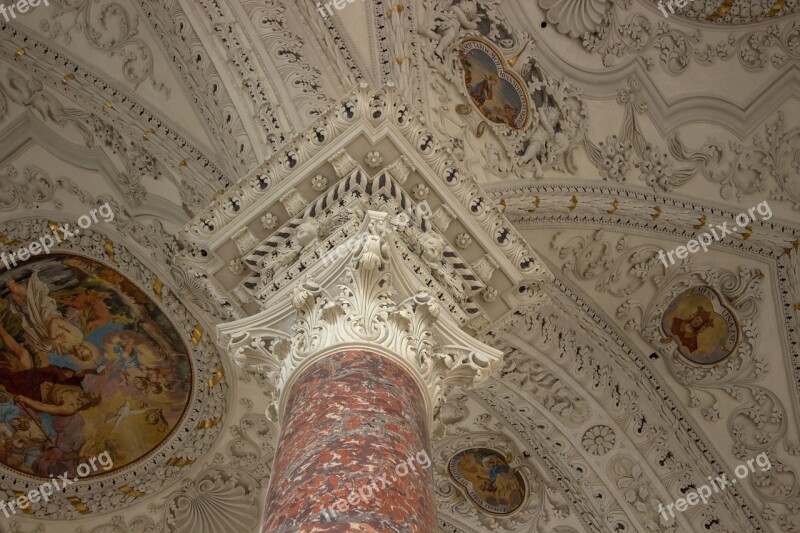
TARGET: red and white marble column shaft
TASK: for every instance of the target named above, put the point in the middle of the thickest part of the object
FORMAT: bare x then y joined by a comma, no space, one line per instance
354,450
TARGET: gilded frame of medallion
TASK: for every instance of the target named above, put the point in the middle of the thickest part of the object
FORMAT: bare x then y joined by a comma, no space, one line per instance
462,489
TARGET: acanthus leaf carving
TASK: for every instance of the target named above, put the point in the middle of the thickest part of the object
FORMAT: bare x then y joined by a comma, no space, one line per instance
365,310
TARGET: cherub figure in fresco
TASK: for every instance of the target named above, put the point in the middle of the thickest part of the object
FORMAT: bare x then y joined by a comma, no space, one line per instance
46,329
482,92
27,436
689,330
135,351
90,308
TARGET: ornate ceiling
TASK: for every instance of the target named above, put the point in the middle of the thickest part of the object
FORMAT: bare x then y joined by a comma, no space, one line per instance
642,133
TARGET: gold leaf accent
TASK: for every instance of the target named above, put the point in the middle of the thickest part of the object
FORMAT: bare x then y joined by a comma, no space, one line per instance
615,206
147,133
513,60
55,229
722,11
180,461
206,424
158,286
67,78
109,249
503,205
574,204
747,232
215,378
397,7
79,505
535,204
657,209
28,509
20,52
107,105
775,8
703,220
133,493
197,333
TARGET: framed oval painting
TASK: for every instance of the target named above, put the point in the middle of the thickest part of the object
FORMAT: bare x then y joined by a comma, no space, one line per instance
702,327
484,476
496,90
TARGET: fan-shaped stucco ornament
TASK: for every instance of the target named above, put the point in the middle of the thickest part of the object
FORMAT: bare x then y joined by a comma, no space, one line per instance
221,500
575,17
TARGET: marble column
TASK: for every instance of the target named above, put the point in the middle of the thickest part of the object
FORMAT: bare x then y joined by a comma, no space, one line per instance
354,451
357,367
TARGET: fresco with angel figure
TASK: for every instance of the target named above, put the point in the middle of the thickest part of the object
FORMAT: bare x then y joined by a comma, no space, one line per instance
88,363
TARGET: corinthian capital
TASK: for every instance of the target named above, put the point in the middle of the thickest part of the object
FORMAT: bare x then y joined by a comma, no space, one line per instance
373,302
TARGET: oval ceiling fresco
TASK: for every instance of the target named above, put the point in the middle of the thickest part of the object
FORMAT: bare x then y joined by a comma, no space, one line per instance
89,367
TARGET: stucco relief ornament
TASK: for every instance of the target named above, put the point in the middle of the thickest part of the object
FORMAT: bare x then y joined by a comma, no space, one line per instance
373,159
304,235
463,241
269,221
319,183
598,440
430,248
443,23
575,17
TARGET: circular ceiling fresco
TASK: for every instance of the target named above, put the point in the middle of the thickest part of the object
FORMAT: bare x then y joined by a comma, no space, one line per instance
89,367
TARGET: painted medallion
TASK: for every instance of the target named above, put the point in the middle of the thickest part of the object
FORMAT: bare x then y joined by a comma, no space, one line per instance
702,327
485,477
498,93
88,364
